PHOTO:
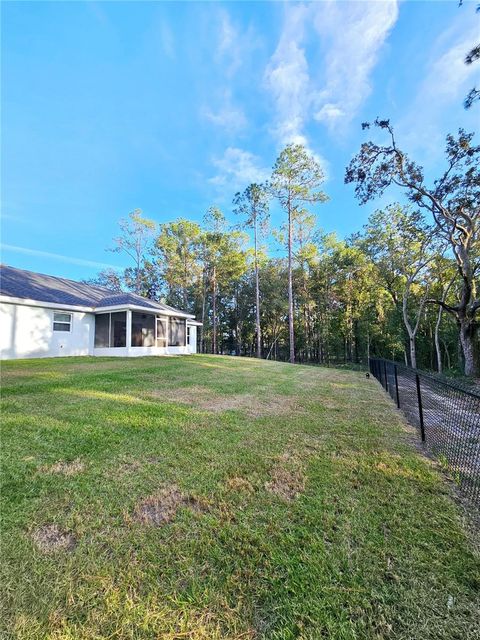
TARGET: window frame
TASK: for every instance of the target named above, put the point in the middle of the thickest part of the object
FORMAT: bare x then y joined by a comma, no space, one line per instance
111,333
62,322
165,320
143,346
177,320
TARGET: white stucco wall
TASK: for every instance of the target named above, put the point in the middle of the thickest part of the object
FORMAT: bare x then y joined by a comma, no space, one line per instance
27,332
193,339
137,352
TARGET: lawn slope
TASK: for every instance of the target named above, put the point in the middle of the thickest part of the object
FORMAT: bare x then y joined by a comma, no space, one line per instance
210,497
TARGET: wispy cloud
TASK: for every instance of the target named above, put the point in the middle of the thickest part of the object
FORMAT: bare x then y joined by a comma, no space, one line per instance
227,115
349,37
57,256
447,80
352,35
234,45
287,78
238,168
233,49
167,40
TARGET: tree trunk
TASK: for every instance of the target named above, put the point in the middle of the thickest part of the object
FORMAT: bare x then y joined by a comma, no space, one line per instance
290,289
437,326
469,339
447,354
204,296
412,331
214,310
413,353
257,299
438,347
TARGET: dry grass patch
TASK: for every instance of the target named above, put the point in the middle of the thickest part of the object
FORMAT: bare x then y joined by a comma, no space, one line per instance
207,400
133,465
240,485
65,468
162,507
50,538
287,478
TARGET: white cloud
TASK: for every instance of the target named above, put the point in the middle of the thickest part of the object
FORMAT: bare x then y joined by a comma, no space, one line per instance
58,256
448,77
233,50
227,34
238,168
329,112
227,116
349,36
352,35
234,46
437,106
167,40
288,80
230,118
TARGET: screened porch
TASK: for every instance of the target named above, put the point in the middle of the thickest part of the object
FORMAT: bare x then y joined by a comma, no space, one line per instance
135,329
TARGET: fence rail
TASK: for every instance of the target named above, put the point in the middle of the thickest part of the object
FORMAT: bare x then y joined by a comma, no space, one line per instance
447,416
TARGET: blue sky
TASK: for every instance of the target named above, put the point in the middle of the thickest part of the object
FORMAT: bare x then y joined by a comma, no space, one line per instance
173,107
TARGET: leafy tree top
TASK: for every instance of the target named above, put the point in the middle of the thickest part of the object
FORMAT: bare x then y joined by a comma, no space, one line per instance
296,177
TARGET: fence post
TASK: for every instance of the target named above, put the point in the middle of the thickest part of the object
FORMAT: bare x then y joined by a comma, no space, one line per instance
420,407
385,373
396,385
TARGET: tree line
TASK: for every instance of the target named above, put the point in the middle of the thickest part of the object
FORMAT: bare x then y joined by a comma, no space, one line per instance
405,286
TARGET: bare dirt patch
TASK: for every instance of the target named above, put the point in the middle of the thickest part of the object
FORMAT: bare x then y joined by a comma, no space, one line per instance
162,507
51,538
206,400
65,468
287,479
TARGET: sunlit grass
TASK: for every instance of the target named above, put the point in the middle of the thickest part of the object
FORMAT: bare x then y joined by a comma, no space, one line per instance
318,520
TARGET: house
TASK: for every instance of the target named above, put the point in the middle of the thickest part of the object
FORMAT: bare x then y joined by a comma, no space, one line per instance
46,316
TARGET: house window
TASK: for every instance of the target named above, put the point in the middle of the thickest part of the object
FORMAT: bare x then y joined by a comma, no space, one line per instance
111,329
177,333
143,330
118,329
188,336
161,332
102,330
62,321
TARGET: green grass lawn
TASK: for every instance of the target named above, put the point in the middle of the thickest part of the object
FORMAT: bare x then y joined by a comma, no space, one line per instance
209,497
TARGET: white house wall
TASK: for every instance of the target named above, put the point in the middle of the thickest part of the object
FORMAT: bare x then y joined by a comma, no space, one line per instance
193,338
137,352
27,332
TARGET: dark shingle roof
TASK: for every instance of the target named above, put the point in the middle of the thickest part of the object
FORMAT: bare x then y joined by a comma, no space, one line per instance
18,283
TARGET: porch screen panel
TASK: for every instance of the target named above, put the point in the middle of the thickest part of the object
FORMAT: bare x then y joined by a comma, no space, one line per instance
143,330
118,333
177,332
102,330
161,332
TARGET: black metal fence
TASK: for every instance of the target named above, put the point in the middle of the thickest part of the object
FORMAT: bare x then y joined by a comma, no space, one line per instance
447,416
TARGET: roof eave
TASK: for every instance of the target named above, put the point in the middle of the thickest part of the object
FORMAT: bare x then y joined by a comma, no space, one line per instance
42,303
135,307
86,309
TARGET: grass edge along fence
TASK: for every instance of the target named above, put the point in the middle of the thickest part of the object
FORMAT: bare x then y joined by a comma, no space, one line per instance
447,416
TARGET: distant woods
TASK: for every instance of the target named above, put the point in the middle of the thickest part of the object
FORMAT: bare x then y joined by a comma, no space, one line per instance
406,286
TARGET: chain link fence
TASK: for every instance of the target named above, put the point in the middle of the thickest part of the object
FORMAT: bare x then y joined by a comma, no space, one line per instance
447,416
